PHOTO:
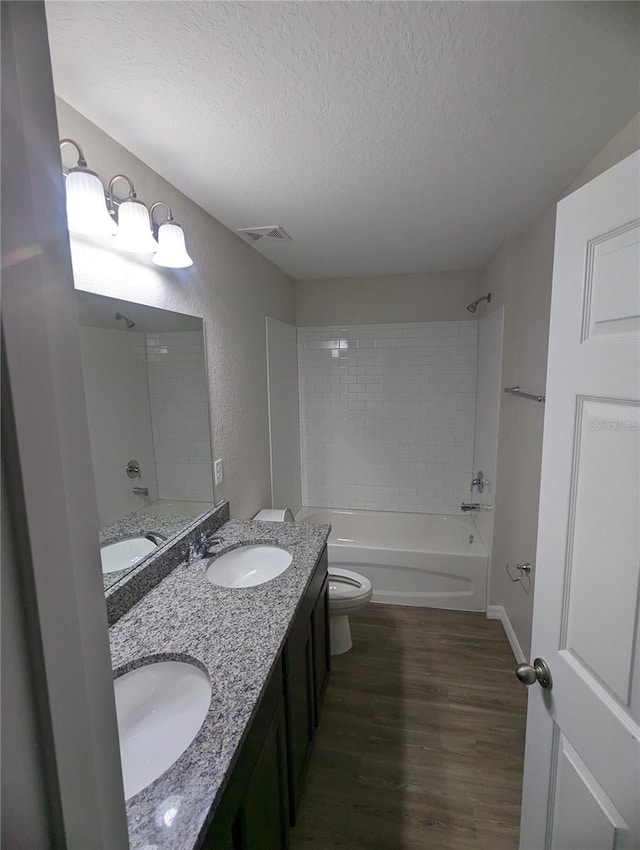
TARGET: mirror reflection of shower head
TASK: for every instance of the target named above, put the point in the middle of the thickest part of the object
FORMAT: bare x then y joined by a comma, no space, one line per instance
120,317
474,306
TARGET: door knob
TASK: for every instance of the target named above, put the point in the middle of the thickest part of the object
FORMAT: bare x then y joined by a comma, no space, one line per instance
539,672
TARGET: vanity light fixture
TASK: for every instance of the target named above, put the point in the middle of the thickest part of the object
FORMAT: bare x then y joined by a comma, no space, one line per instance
134,231
86,204
172,250
93,211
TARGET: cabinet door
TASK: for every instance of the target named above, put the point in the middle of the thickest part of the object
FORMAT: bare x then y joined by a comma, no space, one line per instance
321,647
264,816
220,837
253,813
300,706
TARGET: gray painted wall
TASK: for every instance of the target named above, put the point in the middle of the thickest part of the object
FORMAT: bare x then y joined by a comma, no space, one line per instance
24,816
231,286
25,796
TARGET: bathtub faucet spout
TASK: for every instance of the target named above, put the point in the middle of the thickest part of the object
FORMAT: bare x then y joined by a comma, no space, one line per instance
465,507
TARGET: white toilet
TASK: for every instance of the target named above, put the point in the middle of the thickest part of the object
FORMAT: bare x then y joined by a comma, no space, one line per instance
348,591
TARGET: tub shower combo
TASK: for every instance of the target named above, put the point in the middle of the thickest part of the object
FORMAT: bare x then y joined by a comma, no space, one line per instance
392,420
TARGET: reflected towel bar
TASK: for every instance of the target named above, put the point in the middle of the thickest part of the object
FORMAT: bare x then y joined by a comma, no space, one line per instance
517,391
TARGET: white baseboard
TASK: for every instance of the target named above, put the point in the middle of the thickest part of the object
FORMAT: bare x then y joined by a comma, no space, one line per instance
497,612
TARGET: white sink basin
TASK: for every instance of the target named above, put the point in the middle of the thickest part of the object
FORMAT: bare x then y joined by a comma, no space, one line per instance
160,709
248,566
125,553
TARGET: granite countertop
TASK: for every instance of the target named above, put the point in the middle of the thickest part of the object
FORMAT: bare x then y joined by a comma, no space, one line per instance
237,634
139,524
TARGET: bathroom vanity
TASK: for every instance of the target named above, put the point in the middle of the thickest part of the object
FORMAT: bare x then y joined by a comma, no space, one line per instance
243,644
265,650
262,796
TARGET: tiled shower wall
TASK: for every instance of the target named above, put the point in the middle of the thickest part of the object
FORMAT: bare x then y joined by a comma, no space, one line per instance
114,369
284,419
147,399
180,415
387,415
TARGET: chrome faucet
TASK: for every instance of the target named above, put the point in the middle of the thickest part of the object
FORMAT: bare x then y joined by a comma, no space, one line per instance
214,540
156,537
465,507
200,546
197,548
141,491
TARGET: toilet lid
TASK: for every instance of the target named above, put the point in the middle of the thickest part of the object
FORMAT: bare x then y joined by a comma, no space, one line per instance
345,584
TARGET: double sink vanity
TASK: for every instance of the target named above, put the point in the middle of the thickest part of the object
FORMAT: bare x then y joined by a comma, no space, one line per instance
220,649
219,629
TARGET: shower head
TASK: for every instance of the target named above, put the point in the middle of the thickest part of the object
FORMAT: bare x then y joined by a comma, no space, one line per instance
120,317
474,306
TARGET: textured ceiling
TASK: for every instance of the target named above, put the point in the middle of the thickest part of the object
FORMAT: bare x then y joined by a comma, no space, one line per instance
384,137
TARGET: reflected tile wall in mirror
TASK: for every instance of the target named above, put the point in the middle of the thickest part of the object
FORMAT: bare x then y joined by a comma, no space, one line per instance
147,401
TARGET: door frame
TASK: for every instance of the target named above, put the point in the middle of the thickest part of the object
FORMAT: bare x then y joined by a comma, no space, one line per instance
47,468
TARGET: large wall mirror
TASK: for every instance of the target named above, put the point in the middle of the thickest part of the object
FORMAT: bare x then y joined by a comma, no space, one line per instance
147,398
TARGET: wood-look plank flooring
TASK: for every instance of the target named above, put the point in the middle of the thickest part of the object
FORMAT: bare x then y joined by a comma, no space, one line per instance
421,739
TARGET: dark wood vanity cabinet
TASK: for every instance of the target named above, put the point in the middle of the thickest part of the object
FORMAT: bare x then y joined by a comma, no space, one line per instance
306,672
264,814
254,811
299,706
263,793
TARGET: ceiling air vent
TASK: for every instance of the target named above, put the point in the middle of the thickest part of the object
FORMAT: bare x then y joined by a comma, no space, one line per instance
272,233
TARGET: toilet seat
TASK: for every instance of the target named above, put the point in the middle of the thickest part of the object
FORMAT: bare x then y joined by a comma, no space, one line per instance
348,589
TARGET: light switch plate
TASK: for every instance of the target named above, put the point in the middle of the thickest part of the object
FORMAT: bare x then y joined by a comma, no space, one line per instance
218,472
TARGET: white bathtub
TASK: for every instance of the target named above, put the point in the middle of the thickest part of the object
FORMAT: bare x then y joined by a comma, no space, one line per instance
427,560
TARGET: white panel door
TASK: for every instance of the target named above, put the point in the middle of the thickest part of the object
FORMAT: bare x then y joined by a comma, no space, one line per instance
582,763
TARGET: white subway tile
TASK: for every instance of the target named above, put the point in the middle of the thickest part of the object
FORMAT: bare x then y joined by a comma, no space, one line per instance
402,415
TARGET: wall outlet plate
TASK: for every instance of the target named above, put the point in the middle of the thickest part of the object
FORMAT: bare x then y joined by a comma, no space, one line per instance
218,472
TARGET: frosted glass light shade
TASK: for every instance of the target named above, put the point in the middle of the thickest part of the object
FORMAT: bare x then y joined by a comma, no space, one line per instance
86,205
172,251
134,230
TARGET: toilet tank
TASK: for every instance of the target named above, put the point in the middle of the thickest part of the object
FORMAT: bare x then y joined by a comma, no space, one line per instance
275,515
